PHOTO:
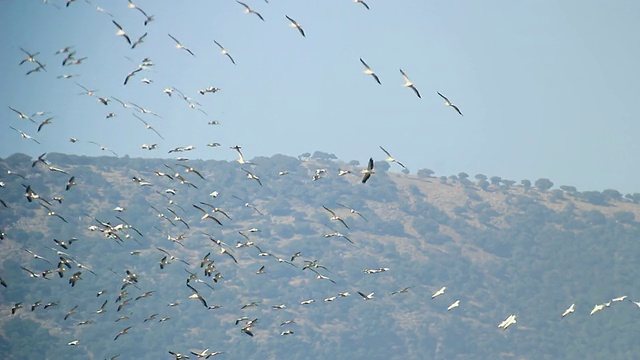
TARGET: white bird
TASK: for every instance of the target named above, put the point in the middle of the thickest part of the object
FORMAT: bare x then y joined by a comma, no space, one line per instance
391,158
25,135
224,51
366,297
248,10
368,71
449,103
569,310
508,322
362,2
368,171
409,84
121,32
454,305
597,308
294,24
618,299
179,45
439,292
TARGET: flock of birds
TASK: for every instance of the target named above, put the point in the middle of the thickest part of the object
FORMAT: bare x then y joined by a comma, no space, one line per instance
60,262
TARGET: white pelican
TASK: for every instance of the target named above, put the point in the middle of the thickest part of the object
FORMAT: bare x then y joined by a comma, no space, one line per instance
409,84
439,292
391,158
449,103
368,171
362,2
596,308
179,45
569,310
121,32
454,305
294,24
368,71
248,10
224,51
366,297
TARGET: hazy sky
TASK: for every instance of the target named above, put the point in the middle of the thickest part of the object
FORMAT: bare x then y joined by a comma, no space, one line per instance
546,87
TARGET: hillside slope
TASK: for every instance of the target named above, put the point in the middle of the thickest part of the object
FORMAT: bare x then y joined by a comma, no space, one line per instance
500,250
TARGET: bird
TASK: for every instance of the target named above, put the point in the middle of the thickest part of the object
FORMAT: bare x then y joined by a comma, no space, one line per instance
122,332
30,57
71,312
102,309
36,256
508,322
449,103
366,297
250,175
224,51
454,305
248,10
569,310
15,307
44,122
129,75
368,71
368,171
353,211
401,291
179,45
24,135
597,308
121,32
618,299
391,158
409,84
147,126
207,215
334,217
294,24
70,183
74,278
363,3
147,19
439,292
21,115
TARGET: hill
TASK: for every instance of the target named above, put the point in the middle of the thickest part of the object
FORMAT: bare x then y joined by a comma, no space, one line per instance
498,247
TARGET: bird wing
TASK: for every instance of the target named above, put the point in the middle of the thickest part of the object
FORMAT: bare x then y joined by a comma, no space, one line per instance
385,151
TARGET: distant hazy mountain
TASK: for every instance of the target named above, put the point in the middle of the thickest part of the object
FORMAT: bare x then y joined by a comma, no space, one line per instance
144,235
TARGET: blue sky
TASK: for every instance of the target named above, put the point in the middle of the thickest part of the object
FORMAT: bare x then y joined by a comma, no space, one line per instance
546,87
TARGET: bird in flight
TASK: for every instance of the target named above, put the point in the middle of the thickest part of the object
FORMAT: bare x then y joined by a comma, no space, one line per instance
24,135
248,10
294,24
179,45
391,158
368,71
121,32
569,310
449,103
335,217
439,292
454,305
362,2
409,84
224,51
368,171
